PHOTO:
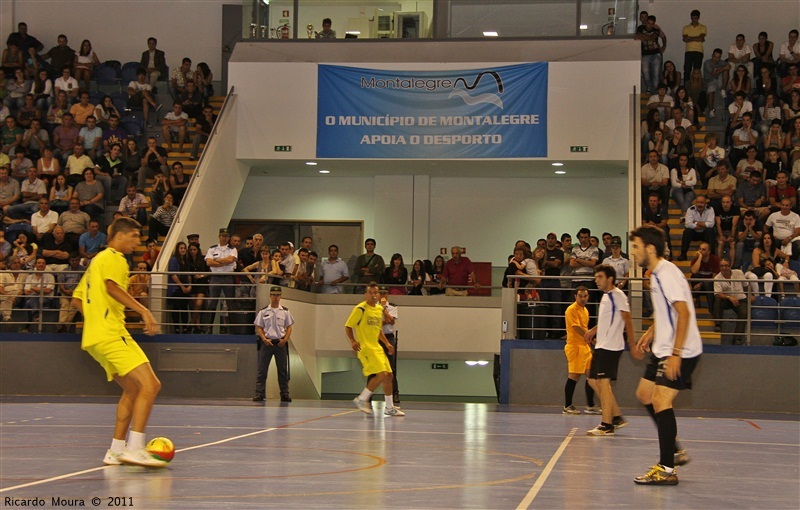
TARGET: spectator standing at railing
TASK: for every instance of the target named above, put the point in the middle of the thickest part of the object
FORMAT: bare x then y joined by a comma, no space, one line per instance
8,286
67,281
694,35
333,272
458,274
583,259
619,262
396,275
550,288
369,267
287,260
221,259
704,266
39,289
730,295
675,343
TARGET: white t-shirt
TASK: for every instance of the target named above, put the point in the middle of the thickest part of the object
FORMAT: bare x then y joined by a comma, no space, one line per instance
739,53
610,324
668,285
64,85
783,226
785,51
139,87
42,223
621,265
172,116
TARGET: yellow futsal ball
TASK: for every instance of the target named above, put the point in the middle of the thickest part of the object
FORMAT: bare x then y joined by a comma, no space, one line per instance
161,448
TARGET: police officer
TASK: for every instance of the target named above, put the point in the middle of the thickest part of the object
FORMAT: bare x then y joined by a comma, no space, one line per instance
390,331
221,259
274,328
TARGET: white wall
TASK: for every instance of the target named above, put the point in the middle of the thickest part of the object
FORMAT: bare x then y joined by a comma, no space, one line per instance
485,215
119,29
286,114
724,20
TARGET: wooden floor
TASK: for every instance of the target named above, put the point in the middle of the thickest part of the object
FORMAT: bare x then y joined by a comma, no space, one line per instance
327,454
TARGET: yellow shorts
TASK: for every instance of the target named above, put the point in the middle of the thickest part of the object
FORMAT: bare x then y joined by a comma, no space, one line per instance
118,356
579,358
373,360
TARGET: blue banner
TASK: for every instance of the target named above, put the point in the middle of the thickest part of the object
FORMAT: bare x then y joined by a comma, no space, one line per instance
498,112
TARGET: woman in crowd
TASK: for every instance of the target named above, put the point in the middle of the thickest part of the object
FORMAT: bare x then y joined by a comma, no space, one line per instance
740,82
25,251
48,167
55,114
765,256
60,193
765,84
276,270
261,267
132,158
196,264
203,78
395,275
679,144
683,179
671,77
791,143
179,289
42,91
768,112
762,54
418,279
104,110
651,123
791,110
17,88
139,284
85,60
684,101
435,273
661,146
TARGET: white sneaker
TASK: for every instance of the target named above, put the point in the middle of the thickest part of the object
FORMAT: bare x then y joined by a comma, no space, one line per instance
712,113
112,458
570,410
593,410
723,93
393,411
363,405
141,458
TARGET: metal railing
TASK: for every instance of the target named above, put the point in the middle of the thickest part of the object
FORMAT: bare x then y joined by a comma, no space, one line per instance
765,317
216,303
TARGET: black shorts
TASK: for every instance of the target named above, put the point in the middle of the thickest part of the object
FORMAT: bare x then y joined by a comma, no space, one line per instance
604,364
655,372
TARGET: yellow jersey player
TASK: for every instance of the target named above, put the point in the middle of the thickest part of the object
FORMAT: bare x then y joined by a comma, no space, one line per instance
364,328
102,296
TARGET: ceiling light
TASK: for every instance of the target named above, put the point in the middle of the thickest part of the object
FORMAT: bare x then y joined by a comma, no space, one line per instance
471,363
353,32
490,33
311,163
558,164
561,172
324,171
584,27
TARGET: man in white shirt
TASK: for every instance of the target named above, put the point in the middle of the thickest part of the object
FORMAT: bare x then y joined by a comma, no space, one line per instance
785,226
613,318
739,54
68,84
221,259
655,177
333,272
173,126
45,220
700,225
32,190
675,345
730,295
789,53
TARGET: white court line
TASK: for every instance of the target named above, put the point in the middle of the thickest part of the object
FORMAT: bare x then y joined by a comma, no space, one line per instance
78,473
528,499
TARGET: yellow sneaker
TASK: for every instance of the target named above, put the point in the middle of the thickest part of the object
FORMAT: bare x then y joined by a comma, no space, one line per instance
657,476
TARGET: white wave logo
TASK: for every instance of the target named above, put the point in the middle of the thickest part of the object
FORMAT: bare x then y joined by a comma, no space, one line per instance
480,98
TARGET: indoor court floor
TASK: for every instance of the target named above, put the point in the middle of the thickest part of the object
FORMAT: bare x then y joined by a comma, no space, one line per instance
327,454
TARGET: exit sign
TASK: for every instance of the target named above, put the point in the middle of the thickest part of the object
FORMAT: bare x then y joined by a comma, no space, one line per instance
283,148
439,366
579,148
